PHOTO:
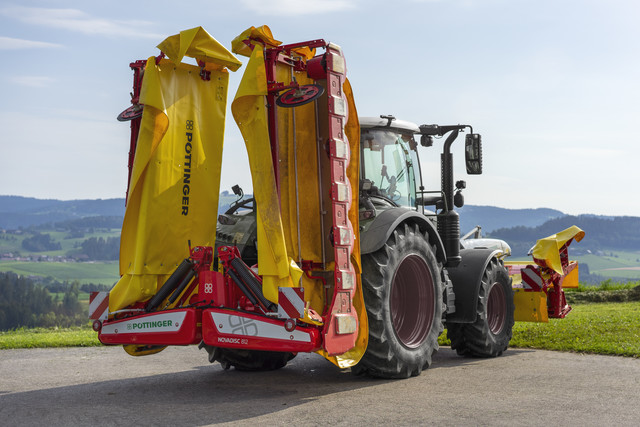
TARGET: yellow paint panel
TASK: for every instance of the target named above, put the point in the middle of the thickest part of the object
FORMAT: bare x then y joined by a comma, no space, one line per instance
175,178
530,306
571,279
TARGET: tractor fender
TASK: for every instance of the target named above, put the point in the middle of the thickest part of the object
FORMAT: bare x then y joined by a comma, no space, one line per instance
378,232
466,279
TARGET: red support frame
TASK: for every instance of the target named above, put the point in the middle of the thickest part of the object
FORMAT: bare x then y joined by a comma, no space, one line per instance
138,74
340,321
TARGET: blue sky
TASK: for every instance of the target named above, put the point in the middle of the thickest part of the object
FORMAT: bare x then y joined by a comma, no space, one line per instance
552,86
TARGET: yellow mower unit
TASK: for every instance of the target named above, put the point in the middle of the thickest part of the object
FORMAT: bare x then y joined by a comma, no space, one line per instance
539,288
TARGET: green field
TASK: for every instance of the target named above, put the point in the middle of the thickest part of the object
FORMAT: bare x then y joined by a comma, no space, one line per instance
598,328
616,265
8,244
613,264
105,273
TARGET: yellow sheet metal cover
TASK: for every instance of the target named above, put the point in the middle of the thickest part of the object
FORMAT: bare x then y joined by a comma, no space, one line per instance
548,249
197,43
277,218
241,44
530,306
175,180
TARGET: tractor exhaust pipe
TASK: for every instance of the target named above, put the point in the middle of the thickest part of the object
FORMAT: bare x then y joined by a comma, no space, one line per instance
449,220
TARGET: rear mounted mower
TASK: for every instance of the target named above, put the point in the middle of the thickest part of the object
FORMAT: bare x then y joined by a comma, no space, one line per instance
196,304
228,308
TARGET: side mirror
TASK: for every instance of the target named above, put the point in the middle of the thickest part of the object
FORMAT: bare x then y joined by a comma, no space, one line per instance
473,153
426,140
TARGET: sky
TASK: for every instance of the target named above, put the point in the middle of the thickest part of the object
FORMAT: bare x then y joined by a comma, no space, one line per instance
552,85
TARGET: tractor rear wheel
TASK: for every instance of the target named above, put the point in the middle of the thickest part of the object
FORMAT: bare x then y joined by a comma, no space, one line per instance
490,334
248,360
402,286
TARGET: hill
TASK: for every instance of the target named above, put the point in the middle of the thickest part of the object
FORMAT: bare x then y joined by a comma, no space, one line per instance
59,238
602,233
17,211
22,212
491,218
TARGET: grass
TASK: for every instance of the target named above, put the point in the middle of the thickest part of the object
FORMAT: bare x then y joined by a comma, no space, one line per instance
607,328
45,338
607,285
105,273
603,328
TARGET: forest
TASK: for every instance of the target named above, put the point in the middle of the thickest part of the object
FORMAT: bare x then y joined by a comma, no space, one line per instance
622,233
24,303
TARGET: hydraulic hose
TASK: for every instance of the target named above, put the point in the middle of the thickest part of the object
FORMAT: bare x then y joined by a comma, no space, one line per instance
243,287
254,285
187,279
172,282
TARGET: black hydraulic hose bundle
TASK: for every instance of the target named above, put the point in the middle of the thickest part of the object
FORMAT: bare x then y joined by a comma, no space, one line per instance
243,287
187,279
177,279
251,284
239,272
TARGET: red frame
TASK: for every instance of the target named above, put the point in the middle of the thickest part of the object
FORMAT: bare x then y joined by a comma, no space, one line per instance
187,333
250,324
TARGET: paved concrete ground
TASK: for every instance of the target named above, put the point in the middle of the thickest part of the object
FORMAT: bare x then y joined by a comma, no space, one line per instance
105,386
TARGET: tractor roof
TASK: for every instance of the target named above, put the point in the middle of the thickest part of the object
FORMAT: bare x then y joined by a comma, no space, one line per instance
377,122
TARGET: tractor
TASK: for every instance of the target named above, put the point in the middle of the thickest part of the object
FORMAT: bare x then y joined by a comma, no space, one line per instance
415,276
340,250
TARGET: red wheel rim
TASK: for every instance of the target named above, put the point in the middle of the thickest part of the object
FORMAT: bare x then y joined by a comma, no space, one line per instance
300,95
412,301
130,113
496,308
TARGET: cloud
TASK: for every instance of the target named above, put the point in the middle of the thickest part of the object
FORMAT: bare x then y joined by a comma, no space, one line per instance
296,7
9,43
32,81
79,21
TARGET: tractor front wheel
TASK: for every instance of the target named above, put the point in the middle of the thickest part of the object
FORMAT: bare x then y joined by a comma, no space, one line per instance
490,334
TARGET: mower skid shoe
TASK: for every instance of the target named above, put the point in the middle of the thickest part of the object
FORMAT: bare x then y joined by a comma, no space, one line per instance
233,329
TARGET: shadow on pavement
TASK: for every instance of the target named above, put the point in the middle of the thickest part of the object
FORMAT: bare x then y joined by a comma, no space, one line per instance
199,396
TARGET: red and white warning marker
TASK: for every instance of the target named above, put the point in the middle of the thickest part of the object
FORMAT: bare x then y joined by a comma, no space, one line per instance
531,279
290,303
99,305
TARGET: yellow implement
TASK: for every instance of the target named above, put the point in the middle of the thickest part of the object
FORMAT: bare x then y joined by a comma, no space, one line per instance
538,289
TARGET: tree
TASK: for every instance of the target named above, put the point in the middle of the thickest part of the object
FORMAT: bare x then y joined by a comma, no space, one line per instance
40,243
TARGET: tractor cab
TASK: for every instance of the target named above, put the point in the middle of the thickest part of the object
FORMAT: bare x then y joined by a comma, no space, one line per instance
389,164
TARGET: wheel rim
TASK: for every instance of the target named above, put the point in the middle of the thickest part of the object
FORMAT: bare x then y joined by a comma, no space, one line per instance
496,308
412,301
